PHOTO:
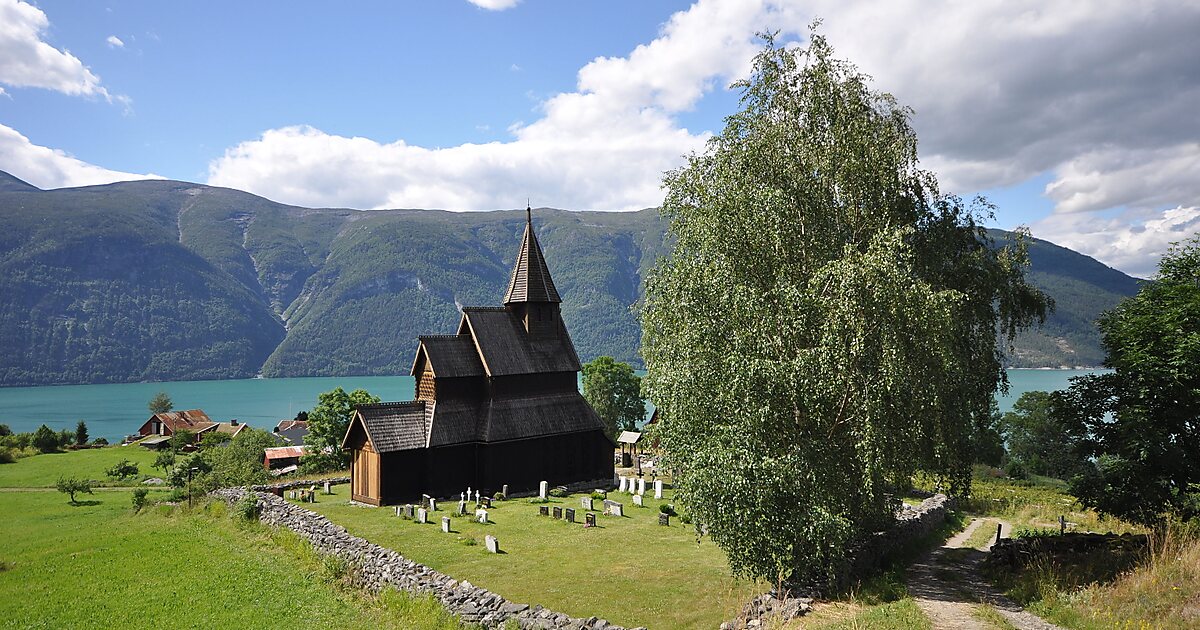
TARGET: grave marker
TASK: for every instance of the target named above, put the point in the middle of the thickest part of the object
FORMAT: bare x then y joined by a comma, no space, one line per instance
408,510
624,484
422,516
446,524
637,500
658,488
586,503
462,508
397,510
504,492
493,545
328,490
543,510
542,490
482,515
487,502
664,519
641,485
613,508
590,519
432,505
557,512
570,515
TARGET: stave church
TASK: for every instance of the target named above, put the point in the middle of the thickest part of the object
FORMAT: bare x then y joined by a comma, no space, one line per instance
497,403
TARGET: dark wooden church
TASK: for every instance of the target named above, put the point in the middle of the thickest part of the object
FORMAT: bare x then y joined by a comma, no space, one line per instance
496,404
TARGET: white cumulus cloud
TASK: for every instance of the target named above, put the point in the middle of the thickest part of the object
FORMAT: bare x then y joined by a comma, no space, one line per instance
115,42
28,61
495,5
50,168
1132,241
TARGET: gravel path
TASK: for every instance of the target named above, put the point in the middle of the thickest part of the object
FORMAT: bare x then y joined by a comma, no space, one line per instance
948,587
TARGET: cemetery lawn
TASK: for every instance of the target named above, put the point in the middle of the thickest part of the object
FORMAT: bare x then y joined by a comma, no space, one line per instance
42,471
100,565
628,570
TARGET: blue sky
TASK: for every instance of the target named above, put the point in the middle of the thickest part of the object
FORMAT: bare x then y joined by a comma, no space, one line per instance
1078,121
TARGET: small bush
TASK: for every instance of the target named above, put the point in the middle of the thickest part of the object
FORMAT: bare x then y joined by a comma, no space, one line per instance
667,508
122,470
7,456
1034,532
100,442
539,500
177,496
558,493
599,496
499,496
470,542
247,507
73,486
1015,470
139,499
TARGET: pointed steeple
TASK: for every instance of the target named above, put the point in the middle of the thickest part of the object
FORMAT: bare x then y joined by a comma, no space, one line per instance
531,280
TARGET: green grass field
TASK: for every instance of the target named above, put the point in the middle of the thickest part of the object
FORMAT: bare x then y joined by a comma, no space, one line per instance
630,570
41,471
100,565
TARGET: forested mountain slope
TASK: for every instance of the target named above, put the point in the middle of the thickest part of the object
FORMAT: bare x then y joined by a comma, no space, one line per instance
164,280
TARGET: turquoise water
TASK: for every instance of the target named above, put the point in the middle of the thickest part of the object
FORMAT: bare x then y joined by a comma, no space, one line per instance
113,411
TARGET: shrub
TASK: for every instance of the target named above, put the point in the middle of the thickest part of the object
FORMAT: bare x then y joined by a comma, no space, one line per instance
599,496
7,456
44,440
499,496
122,470
558,493
539,500
667,508
177,496
81,433
139,499
1015,470
73,486
100,442
247,507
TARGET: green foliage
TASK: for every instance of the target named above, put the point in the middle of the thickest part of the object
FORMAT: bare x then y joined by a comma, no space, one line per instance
558,493
44,440
5,431
247,507
7,456
667,508
73,486
165,460
139,498
213,439
240,462
1014,469
327,424
66,438
181,439
1139,422
81,433
1039,440
827,323
100,441
122,470
987,441
615,392
160,403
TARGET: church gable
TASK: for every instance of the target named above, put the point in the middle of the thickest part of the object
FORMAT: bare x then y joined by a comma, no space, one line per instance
507,348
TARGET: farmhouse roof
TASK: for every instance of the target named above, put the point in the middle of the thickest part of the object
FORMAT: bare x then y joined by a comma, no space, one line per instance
530,281
232,428
193,420
282,452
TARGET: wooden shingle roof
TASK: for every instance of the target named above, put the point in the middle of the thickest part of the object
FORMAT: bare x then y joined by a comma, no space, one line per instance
507,349
393,426
530,281
513,418
451,356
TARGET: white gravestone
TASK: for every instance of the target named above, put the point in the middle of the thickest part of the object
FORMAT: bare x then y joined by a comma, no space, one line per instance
616,509
658,488
432,504
477,497
637,500
623,482
586,503
446,524
397,510
327,489
462,496
462,508
641,485
493,545
482,515
421,515
542,490
468,493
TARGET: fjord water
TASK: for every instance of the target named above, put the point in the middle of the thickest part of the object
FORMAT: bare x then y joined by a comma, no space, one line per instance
116,410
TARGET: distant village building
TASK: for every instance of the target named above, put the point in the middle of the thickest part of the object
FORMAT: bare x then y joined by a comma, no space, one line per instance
496,404
167,423
292,431
232,428
282,460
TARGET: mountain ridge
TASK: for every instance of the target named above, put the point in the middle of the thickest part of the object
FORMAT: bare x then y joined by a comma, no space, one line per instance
170,280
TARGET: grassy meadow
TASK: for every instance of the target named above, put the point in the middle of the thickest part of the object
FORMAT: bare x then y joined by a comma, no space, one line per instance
628,570
41,471
101,565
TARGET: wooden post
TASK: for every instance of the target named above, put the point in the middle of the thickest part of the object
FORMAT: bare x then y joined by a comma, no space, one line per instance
1062,525
999,528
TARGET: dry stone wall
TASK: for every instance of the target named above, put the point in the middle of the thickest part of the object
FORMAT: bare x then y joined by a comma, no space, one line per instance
376,568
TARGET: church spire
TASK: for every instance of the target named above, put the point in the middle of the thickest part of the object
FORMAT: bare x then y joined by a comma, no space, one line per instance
530,280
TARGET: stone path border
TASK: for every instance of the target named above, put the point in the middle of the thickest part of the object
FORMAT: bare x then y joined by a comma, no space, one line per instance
378,568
